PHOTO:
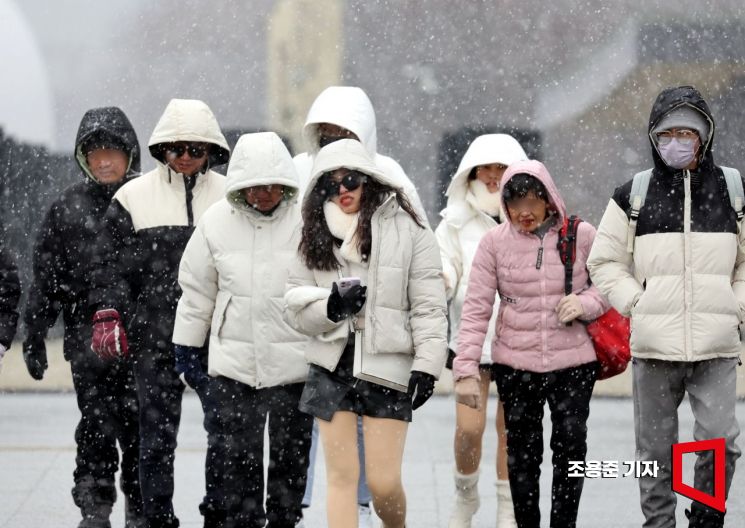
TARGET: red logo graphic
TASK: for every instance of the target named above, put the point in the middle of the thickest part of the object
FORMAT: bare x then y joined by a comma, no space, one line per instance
715,501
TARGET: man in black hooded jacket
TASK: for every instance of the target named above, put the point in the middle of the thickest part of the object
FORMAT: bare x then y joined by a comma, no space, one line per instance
108,153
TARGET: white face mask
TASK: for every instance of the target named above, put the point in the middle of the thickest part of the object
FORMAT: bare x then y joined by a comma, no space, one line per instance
678,154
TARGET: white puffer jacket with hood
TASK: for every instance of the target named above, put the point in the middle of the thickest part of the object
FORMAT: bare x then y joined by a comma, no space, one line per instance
234,269
349,107
464,223
159,198
405,308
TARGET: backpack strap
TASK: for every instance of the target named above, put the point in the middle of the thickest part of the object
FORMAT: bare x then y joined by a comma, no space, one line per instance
638,194
735,191
567,246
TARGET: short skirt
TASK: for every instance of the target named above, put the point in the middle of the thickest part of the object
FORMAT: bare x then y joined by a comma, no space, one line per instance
326,392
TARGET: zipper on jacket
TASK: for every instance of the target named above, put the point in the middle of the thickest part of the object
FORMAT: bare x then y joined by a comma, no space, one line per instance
687,273
189,183
539,258
372,274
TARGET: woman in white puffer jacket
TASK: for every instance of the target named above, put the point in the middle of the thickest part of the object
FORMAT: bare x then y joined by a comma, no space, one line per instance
358,223
233,274
473,208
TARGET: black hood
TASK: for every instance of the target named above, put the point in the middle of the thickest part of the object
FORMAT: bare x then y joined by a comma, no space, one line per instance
111,123
669,99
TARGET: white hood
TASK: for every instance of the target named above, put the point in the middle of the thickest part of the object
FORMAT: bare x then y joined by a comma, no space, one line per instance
350,154
260,159
484,150
345,106
189,120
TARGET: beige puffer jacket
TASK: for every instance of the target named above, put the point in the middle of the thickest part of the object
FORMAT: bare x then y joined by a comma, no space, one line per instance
405,308
233,274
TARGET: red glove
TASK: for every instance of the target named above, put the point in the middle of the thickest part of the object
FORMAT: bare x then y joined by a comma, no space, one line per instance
109,340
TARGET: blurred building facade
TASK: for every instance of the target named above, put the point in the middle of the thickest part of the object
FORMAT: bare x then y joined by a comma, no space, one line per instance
576,76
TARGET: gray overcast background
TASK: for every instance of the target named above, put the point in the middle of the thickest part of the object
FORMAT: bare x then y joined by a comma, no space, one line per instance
581,73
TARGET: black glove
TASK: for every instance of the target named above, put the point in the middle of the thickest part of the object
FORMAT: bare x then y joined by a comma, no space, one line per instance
35,356
189,363
341,306
421,387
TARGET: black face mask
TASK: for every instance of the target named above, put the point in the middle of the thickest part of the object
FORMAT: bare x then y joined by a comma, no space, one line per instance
327,140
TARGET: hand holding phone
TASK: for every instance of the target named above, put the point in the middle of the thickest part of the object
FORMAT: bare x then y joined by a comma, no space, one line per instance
346,283
347,298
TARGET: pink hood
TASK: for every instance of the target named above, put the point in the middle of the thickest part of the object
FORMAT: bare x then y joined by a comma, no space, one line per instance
538,170
528,334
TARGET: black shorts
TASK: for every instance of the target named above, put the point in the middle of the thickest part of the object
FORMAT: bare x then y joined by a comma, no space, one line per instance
326,392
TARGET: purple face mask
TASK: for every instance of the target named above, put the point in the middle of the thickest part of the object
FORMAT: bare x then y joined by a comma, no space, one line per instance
678,154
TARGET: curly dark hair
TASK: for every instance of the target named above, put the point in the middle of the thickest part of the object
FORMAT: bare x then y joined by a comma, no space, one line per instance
317,243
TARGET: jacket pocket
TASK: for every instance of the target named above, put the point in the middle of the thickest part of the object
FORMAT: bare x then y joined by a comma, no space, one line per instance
218,316
393,332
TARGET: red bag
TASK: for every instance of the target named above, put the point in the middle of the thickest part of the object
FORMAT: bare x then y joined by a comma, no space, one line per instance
610,336
611,331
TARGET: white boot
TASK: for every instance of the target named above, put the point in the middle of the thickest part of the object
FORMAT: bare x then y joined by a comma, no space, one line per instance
505,509
466,500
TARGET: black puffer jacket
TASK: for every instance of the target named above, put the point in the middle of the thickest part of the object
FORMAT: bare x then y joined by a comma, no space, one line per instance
10,292
63,253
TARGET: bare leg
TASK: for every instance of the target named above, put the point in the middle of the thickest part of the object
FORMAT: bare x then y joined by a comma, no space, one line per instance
339,438
384,449
469,430
501,443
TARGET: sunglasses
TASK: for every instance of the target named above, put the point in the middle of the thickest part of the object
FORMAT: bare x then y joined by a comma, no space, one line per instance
350,181
195,150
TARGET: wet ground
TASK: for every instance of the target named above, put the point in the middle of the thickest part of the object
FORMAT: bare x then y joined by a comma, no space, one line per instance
37,459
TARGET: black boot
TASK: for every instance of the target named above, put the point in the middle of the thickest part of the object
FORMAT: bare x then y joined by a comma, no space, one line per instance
216,519
169,522
95,500
700,516
133,515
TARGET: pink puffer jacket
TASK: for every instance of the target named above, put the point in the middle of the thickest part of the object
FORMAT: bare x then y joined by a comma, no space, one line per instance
528,335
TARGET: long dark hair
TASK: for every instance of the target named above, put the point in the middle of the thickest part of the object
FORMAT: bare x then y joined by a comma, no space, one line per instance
317,243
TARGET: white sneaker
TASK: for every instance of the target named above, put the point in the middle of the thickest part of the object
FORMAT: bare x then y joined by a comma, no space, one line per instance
365,520
466,500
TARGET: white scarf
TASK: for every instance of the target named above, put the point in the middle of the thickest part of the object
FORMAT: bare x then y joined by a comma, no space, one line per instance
488,202
344,227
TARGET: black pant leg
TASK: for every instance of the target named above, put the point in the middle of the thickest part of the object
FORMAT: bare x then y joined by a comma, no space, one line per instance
96,459
126,413
568,393
234,468
290,433
523,395
159,392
